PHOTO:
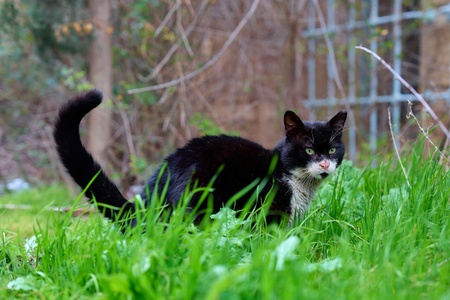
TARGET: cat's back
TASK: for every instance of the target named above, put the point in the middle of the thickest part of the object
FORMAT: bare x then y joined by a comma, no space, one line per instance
223,148
239,160
237,156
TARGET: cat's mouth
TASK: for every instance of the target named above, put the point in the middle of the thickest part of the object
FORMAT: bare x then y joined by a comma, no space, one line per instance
323,175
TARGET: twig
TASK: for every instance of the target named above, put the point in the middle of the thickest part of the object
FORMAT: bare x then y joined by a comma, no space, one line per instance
183,35
331,50
337,78
411,114
127,128
446,144
211,62
59,167
62,209
407,85
164,22
396,149
174,48
208,106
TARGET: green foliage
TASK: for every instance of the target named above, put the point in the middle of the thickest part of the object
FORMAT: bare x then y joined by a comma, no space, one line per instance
206,126
20,222
43,19
75,80
138,165
368,235
9,14
32,58
28,31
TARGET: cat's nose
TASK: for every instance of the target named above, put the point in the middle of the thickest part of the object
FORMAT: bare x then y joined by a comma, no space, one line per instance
324,164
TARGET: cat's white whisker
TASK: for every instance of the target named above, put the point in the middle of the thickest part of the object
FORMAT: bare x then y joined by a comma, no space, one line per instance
335,135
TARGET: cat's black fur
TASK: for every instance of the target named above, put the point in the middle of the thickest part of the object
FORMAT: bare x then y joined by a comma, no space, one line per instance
303,158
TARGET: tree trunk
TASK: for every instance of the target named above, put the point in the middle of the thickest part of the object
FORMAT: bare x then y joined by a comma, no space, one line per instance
291,82
435,64
100,75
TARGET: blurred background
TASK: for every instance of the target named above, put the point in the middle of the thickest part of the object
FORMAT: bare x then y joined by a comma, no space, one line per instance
240,65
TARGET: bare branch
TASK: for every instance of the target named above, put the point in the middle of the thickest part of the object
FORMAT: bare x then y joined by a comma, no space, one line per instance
175,46
62,209
396,149
169,15
127,128
183,35
211,62
337,78
331,50
411,114
413,91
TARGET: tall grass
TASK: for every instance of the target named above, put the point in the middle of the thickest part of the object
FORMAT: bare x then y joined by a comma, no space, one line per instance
367,235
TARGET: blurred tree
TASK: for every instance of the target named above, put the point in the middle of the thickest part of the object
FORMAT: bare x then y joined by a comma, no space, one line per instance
100,75
37,44
435,64
51,45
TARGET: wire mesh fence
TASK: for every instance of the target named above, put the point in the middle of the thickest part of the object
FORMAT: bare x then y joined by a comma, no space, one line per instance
340,75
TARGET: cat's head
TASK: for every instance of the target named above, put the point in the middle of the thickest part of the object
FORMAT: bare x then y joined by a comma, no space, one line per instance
312,149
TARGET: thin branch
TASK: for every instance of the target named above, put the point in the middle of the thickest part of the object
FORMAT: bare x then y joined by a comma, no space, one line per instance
62,209
169,15
331,50
411,114
211,62
183,35
446,144
54,157
208,106
396,149
407,85
127,128
175,46
337,78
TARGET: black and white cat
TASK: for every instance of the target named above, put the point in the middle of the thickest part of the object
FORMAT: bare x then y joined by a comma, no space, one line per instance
292,171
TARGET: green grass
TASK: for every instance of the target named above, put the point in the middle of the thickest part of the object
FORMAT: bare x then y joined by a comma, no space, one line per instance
368,235
20,222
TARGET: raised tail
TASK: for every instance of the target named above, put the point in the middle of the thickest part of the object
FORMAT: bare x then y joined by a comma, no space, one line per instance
79,162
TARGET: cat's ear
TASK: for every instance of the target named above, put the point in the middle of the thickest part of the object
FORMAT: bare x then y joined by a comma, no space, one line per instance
337,122
292,123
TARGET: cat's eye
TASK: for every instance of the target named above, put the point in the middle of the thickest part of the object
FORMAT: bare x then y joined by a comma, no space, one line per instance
309,151
332,150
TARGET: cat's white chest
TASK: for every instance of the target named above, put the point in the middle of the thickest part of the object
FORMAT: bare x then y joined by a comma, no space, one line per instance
303,190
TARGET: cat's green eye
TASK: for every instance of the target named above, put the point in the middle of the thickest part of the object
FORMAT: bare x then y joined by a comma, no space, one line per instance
332,150
309,151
